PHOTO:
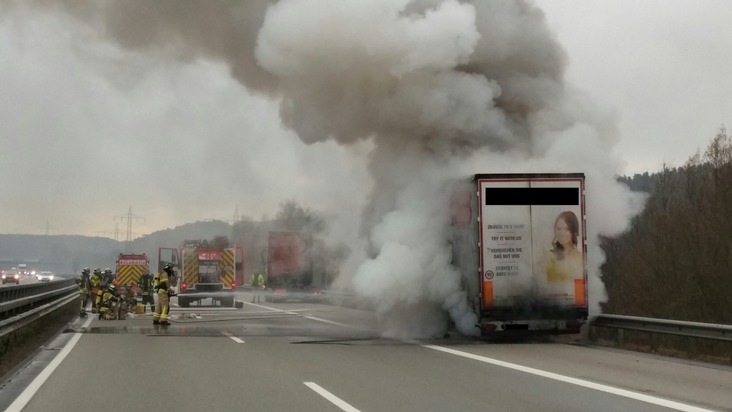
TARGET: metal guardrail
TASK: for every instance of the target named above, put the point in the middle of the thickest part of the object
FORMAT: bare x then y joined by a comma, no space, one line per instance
14,297
665,326
20,305
689,330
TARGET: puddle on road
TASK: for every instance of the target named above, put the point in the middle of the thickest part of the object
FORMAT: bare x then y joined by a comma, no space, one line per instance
351,341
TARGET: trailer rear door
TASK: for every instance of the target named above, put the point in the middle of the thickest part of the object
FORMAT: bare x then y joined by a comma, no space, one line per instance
523,221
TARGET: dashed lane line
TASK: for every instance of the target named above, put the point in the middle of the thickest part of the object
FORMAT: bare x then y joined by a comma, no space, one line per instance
343,405
234,338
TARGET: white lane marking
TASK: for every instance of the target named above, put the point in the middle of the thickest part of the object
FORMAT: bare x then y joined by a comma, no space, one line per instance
332,398
25,397
295,312
234,338
574,381
261,306
329,321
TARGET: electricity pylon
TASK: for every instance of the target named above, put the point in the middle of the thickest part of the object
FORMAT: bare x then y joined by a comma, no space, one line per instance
130,217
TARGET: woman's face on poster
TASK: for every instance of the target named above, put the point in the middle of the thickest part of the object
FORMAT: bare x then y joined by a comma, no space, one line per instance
562,233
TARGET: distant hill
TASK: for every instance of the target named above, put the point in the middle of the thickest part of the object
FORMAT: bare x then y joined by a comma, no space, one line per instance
55,253
66,254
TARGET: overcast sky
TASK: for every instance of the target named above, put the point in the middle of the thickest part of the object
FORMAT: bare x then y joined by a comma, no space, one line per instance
661,65
91,129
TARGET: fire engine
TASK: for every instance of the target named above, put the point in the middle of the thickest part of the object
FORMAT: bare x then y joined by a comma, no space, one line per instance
130,267
204,271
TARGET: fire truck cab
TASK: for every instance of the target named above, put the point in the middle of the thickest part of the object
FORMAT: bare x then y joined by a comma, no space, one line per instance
204,272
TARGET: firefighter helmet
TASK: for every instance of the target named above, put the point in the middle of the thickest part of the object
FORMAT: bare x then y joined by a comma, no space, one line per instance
168,268
86,271
97,271
107,271
112,287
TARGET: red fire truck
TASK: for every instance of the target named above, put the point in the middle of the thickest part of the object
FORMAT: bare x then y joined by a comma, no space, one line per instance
204,271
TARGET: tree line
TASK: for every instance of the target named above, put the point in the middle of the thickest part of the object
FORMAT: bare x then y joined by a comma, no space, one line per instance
675,261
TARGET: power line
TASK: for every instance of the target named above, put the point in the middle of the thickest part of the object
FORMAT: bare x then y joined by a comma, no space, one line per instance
235,219
130,217
114,233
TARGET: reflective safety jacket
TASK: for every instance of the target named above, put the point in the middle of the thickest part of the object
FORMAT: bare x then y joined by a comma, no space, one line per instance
256,280
82,281
95,281
106,298
145,283
161,282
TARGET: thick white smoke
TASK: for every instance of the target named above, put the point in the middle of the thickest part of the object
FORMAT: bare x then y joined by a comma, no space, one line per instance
441,89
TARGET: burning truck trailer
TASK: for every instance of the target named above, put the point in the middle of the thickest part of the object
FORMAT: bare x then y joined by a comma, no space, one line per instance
519,242
289,274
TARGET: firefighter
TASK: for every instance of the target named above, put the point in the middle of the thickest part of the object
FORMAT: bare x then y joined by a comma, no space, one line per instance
108,304
96,286
130,297
108,277
145,283
165,291
84,284
127,302
257,282
103,284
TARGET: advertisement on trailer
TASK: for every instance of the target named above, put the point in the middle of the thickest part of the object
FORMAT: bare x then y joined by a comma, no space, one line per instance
533,239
